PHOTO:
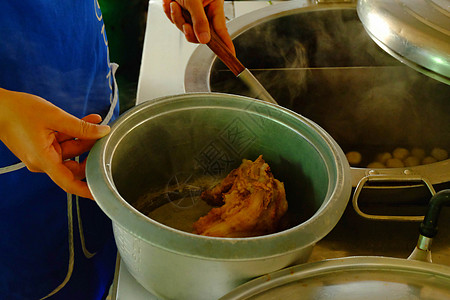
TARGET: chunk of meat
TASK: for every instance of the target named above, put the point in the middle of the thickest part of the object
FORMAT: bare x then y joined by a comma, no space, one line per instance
253,203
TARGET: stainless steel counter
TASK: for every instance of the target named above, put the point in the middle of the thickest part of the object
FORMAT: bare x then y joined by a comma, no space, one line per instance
164,59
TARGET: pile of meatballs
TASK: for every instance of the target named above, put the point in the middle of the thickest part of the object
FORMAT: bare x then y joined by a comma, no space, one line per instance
399,158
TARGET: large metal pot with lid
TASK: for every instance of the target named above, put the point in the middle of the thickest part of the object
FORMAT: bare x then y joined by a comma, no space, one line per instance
317,59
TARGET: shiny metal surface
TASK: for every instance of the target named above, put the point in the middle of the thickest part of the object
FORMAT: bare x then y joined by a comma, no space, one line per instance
416,32
166,54
199,65
258,91
200,135
357,236
384,178
347,85
422,251
351,278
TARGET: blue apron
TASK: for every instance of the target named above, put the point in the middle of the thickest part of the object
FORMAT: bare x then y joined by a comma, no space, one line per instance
54,245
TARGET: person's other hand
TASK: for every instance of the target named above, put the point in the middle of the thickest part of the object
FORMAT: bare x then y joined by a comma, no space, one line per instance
202,12
44,138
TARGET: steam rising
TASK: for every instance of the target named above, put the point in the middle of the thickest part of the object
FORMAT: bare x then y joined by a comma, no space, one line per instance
324,66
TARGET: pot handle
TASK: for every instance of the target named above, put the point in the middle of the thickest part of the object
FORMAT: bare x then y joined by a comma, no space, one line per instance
388,178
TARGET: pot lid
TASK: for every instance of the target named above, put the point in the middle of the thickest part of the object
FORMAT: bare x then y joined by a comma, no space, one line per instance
416,32
350,278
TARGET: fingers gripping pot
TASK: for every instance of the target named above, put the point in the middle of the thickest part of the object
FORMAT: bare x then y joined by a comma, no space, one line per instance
187,136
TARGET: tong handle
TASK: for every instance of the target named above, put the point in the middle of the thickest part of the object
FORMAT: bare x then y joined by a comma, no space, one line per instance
219,48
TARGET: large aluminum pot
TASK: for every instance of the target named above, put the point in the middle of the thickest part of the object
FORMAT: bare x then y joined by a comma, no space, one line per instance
315,58
190,135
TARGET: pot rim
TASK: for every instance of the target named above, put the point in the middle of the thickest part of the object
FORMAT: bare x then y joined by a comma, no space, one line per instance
100,182
333,266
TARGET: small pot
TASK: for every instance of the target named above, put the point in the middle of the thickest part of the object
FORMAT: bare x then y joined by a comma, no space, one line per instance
191,135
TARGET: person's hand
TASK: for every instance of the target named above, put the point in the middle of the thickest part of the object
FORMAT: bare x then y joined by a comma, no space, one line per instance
44,138
202,12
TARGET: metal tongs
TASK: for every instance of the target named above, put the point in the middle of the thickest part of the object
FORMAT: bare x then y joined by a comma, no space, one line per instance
230,60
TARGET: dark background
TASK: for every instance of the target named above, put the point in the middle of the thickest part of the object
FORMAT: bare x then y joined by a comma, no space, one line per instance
125,23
